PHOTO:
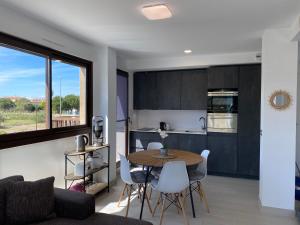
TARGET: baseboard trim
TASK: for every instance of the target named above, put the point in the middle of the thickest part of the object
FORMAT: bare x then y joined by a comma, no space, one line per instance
232,175
277,211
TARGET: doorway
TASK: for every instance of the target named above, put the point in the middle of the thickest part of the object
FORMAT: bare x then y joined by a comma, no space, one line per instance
122,114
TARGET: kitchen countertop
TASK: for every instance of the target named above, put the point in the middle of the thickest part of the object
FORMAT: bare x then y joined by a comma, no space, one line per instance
172,131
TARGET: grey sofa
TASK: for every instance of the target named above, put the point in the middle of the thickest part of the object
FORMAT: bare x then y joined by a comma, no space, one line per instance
72,208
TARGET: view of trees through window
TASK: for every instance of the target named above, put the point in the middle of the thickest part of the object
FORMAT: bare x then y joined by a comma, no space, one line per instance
23,93
68,91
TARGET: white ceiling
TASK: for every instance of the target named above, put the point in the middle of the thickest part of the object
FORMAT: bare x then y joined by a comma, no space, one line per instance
205,26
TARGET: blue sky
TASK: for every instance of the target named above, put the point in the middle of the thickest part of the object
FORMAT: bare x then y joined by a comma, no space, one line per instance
23,74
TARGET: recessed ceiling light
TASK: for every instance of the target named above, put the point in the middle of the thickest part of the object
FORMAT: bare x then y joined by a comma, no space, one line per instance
188,51
156,12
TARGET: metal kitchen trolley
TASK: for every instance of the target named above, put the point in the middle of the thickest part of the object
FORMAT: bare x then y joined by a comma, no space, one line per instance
88,176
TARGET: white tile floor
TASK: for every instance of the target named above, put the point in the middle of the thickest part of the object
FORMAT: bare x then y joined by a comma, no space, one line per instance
232,202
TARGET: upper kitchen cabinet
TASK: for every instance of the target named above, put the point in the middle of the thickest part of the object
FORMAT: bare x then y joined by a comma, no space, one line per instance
220,77
168,89
145,85
194,89
249,120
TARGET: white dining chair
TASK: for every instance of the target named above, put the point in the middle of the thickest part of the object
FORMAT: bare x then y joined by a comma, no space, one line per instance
198,175
132,179
173,181
155,171
154,145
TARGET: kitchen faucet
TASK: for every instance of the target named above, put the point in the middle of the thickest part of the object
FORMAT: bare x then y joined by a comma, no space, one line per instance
204,122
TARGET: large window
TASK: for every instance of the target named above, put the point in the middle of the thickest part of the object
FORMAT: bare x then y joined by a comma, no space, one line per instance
44,94
22,91
68,94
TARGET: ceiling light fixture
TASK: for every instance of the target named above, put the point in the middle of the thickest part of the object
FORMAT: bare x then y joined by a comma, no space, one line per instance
188,51
156,12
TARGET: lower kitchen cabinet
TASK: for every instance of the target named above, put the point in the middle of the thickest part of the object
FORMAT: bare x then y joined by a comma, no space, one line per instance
192,142
171,141
230,154
249,151
189,142
140,140
223,153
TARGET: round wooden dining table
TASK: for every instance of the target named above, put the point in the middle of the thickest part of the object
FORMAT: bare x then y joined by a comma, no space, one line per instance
152,159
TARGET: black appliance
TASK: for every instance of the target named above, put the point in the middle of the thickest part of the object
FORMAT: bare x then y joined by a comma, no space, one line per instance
222,101
163,125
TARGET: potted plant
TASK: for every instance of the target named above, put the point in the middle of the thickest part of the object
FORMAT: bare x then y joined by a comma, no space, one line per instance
163,134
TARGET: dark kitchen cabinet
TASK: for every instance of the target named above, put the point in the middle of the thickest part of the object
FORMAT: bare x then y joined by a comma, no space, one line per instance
223,153
168,89
140,140
249,120
189,142
192,142
171,90
220,77
145,85
194,89
171,141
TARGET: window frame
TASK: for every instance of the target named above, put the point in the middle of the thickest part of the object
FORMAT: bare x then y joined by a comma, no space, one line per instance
31,137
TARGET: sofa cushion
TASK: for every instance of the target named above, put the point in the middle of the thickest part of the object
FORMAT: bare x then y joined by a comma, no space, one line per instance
74,205
96,219
3,183
30,201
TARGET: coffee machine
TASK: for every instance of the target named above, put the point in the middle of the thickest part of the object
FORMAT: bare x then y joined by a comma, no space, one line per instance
97,131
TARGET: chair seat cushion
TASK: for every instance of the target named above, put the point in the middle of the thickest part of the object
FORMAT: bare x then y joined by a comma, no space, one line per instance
196,175
139,177
95,219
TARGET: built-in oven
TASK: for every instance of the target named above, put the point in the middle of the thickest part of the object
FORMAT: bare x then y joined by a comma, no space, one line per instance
222,122
222,111
222,101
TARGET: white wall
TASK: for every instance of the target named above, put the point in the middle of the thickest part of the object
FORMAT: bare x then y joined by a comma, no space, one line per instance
178,119
37,160
105,97
191,61
16,24
278,141
47,158
298,114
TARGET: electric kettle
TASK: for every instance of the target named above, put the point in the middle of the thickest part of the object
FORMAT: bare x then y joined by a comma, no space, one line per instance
81,141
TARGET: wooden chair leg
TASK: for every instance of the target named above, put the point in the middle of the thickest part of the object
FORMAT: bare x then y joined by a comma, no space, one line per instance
185,219
162,210
204,197
149,205
128,202
174,198
150,195
157,204
199,190
121,195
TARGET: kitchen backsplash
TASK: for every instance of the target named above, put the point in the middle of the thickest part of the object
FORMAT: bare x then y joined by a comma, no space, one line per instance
178,119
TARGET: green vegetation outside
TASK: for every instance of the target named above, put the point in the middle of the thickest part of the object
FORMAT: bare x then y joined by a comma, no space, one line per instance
23,115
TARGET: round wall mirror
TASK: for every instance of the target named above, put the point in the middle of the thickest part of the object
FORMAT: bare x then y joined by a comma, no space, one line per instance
280,100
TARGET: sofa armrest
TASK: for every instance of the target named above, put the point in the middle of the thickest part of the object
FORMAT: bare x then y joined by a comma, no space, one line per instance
74,205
